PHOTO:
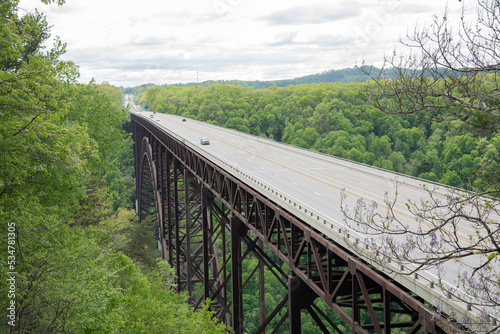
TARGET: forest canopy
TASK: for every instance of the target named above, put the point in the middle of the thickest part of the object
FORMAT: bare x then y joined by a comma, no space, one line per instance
74,259
336,119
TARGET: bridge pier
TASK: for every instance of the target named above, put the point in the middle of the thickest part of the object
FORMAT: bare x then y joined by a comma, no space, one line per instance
238,231
300,297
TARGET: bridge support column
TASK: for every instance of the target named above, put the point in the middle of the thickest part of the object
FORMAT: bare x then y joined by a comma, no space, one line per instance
294,308
238,231
300,297
177,180
205,200
169,212
189,230
262,292
162,206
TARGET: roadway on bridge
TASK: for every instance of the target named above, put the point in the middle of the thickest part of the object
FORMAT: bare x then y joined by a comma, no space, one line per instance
315,181
311,180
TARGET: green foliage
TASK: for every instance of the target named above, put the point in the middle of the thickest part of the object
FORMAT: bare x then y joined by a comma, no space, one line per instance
82,263
67,283
337,119
99,109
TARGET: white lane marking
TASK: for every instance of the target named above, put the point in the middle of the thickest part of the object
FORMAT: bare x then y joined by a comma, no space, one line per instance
277,175
295,183
317,194
363,183
324,168
261,167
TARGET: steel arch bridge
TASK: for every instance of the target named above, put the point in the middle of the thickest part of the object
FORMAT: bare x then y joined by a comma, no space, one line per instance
210,222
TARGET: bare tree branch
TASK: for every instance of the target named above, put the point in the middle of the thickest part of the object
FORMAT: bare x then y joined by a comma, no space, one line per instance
449,76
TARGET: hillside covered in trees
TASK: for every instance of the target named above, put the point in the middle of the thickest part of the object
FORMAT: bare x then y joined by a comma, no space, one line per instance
336,119
346,75
74,259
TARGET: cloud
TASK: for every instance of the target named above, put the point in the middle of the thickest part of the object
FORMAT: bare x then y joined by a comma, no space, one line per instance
147,41
283,39
324,42
128,43
310,15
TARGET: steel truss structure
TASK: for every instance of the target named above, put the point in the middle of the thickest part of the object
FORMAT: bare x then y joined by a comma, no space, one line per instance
210,223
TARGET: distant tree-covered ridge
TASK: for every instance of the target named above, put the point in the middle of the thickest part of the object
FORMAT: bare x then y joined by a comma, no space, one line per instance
336,119
346,75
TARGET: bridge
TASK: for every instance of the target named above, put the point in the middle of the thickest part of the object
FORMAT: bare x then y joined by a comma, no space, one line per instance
243,197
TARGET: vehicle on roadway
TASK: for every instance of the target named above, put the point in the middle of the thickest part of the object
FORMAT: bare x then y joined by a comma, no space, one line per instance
183,119
204,141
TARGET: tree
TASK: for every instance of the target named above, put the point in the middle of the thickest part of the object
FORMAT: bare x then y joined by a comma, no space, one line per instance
58,140
452,78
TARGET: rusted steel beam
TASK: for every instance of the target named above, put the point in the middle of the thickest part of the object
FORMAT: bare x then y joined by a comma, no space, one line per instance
238,230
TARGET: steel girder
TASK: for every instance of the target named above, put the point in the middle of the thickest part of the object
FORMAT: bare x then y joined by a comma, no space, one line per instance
210,221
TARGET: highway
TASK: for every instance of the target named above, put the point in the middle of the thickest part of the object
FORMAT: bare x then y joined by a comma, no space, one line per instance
310,184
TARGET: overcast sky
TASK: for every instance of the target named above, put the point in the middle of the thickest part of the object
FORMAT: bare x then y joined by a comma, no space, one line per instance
128,43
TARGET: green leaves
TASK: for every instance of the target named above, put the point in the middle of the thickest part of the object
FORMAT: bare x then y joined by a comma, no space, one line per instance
42,151
59,2
65,163
337,119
